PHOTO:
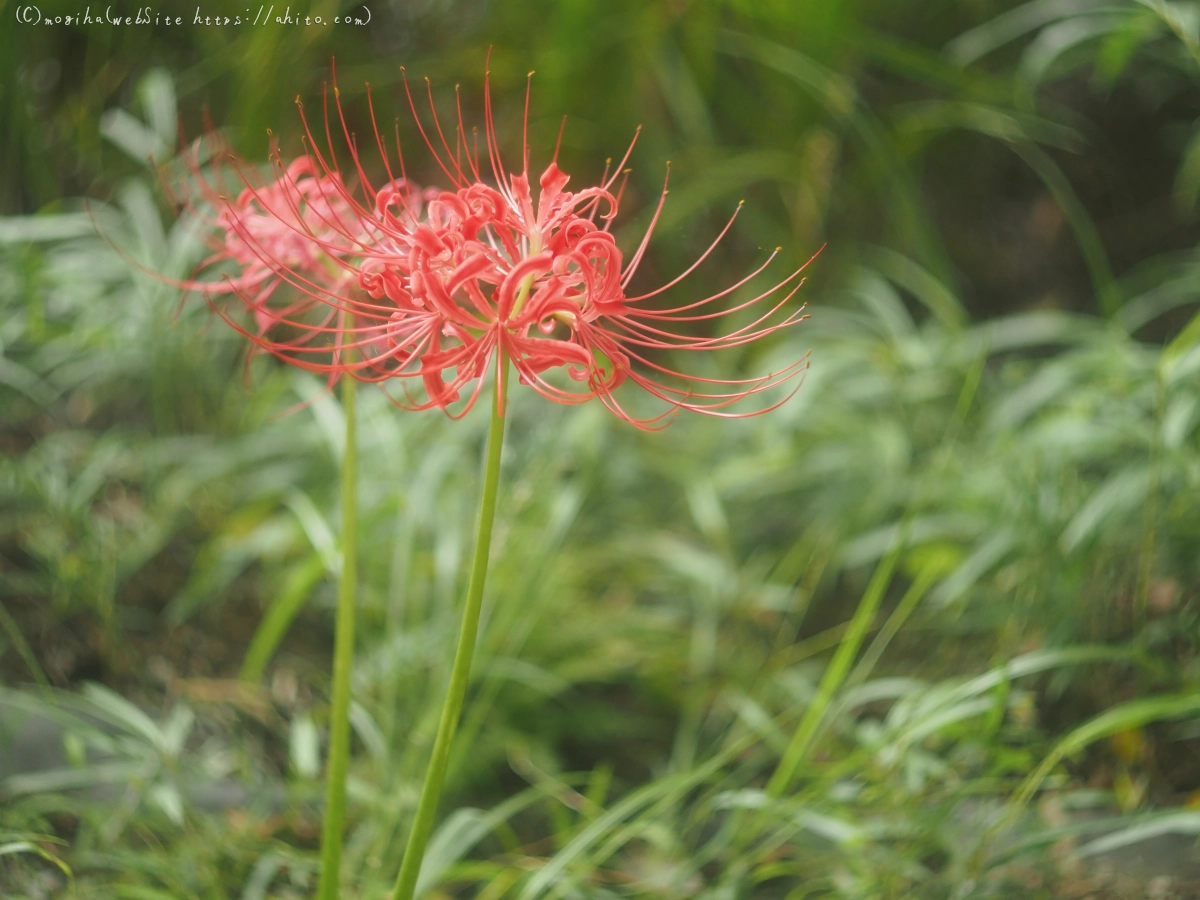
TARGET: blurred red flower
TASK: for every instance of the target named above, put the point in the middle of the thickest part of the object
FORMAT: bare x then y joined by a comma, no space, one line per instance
436,284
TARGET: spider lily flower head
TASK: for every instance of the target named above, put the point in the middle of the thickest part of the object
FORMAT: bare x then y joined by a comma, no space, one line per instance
268,232
434,286
284,226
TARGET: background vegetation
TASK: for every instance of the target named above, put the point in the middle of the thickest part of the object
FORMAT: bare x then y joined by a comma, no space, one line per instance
929,630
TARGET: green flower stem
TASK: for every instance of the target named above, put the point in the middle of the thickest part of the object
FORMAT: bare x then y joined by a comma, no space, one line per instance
431,791
343,661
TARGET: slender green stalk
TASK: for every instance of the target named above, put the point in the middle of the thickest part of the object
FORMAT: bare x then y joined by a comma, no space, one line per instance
23,648
1141,594
868,606
837,670
916,592
343,661
431,791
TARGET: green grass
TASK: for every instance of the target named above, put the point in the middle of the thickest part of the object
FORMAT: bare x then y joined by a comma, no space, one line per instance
864,646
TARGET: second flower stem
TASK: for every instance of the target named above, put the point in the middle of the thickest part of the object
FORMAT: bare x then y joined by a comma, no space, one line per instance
460,673
343,661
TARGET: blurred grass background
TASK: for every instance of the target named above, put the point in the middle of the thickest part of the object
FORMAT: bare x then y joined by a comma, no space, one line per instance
952,584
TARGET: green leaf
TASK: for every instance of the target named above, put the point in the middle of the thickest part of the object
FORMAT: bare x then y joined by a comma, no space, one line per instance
1125,716
167,798
1120,47
1172,822
1187,176
918,281
32,229
462,830
1057,39
132,136
121,712
1183,18
13,847
1178,351
1003,29
157,93
1122,493
305,747
279,617
986,554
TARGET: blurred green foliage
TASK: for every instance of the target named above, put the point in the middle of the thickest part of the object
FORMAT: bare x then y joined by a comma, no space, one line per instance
956,571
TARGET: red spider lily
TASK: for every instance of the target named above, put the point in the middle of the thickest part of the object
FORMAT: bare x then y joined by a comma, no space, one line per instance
436,285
